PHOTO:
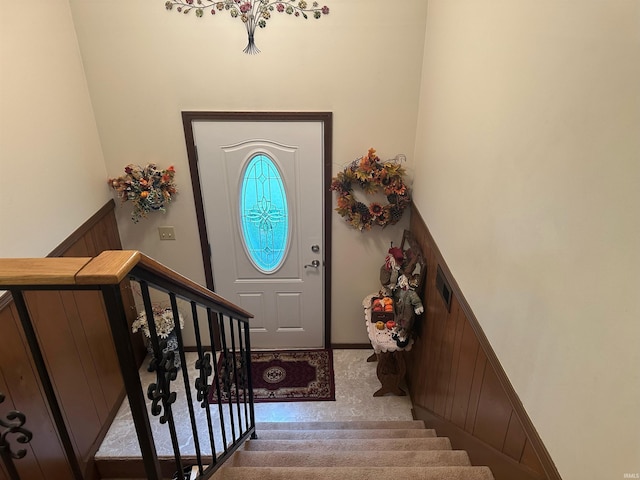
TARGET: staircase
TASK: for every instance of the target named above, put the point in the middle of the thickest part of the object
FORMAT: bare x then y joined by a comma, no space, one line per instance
359,450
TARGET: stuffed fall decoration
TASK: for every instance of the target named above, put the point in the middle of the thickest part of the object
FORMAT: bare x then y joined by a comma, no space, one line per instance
408,303
390,271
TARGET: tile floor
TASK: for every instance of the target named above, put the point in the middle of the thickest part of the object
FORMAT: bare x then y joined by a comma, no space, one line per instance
355,380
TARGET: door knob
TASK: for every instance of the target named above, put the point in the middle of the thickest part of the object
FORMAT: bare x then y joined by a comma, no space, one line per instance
314,264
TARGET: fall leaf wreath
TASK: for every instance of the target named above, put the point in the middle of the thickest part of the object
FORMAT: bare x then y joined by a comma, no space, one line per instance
372,176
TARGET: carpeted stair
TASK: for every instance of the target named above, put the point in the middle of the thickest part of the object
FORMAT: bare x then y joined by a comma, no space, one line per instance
362,450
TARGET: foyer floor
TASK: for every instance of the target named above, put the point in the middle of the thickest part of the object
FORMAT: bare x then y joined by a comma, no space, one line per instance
355,380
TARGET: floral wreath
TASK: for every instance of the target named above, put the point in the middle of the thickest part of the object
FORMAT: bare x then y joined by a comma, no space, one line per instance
371,175
148,188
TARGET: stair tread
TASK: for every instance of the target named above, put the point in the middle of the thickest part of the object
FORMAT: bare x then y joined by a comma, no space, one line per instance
362,433
243,458
354,473
380,444
341,425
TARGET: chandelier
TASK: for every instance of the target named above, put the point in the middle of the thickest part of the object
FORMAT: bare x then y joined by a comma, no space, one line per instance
253,13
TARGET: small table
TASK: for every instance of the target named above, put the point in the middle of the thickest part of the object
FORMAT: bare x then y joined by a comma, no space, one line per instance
391,364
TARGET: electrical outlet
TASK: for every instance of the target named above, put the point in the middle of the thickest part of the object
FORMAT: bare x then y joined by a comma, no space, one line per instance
167,233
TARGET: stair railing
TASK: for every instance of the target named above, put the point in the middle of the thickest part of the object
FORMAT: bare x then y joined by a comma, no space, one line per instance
218,382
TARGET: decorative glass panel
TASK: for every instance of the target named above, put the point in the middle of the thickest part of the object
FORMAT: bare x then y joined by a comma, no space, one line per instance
264,214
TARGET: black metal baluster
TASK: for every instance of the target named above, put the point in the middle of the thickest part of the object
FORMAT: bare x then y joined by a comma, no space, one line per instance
243,365
216,378
237,372
163,363
151,324
228,380
185,377
247,342
212,319
126,357
203,364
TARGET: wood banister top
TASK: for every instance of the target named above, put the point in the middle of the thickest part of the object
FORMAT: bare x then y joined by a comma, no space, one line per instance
159,269
112,266
109,268
40,271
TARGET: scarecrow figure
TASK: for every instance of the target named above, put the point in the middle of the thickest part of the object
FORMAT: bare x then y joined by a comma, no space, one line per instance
407,301
390,271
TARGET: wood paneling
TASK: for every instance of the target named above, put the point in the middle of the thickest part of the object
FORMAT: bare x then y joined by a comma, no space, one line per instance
458,385
467,356
65,366
530,458
476,389
45,457
515,438
494,411
74,334
502,467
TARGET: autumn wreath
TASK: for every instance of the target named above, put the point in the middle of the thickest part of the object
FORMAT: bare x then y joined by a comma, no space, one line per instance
372,176
148,188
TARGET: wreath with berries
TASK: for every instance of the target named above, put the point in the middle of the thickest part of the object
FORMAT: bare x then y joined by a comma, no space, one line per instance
372,176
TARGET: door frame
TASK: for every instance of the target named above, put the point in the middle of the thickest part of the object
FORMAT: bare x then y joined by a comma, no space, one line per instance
326,118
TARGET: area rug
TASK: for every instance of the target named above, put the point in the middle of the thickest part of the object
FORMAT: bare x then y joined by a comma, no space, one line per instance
282,376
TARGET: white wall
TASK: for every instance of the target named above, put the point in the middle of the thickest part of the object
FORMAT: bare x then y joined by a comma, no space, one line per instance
528,170
52,173
145,65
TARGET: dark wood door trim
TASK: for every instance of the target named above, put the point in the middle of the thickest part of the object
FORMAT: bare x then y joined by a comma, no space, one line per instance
188,117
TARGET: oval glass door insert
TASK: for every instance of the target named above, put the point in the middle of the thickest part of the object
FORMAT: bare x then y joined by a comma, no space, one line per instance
264,214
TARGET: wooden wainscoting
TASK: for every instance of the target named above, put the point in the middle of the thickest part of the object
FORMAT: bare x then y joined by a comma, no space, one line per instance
75,339
458,385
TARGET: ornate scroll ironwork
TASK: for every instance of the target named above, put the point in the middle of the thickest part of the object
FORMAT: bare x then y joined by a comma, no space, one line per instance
202,384
239,376
226,372
160,392
13,425
232,375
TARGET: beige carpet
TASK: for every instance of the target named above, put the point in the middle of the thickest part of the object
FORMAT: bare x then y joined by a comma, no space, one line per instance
398,450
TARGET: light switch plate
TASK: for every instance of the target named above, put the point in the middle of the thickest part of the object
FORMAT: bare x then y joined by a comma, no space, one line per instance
167,233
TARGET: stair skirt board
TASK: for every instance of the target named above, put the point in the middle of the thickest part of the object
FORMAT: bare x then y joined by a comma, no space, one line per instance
401,450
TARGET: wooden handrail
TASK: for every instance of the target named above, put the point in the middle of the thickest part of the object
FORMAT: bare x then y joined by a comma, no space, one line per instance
40,271
108,268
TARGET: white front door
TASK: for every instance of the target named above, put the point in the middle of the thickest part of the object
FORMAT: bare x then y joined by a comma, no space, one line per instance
263,206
